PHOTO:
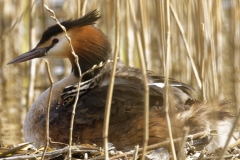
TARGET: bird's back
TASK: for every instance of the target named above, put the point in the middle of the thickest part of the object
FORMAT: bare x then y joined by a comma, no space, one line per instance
126,110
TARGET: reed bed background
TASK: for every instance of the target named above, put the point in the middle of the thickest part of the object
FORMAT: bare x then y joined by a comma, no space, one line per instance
211,30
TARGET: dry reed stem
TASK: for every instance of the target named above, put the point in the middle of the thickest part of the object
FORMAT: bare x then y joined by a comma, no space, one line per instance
236,16
32,64
48,109
79,8
166,82
188,37
143,31
145,80
111,83
219,46
162,29
127,35
187,46
214,47
203,75
79,80
84,5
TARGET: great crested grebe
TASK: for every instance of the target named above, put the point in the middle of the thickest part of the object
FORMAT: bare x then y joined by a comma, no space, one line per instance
126,121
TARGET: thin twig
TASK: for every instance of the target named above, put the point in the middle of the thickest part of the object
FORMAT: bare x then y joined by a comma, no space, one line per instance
100,65
79,80
111,83
48,109
166,82
186,45
145,80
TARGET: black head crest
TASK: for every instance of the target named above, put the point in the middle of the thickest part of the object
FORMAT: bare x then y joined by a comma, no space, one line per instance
88,19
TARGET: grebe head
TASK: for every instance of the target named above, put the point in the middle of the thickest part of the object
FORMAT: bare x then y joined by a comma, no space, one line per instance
89,43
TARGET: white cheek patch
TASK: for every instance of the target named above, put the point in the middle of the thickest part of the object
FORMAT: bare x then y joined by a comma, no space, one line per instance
59,50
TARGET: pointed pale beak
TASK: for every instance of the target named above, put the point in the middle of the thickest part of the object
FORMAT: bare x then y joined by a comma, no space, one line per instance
34,53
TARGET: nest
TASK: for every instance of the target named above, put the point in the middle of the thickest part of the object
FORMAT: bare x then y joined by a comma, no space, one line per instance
191,147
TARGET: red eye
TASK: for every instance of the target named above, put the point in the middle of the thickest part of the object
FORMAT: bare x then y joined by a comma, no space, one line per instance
54,41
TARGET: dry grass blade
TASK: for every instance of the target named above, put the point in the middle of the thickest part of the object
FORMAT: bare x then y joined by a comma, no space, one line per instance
145,80
48,109
79,81
111,83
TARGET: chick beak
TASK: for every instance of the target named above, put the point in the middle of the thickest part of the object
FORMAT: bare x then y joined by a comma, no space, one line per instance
34,53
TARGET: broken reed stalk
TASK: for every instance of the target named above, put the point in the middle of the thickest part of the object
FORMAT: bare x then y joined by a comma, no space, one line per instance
145,80
111,83
48,109
186,45
166,82
79,80
135,153
234,144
